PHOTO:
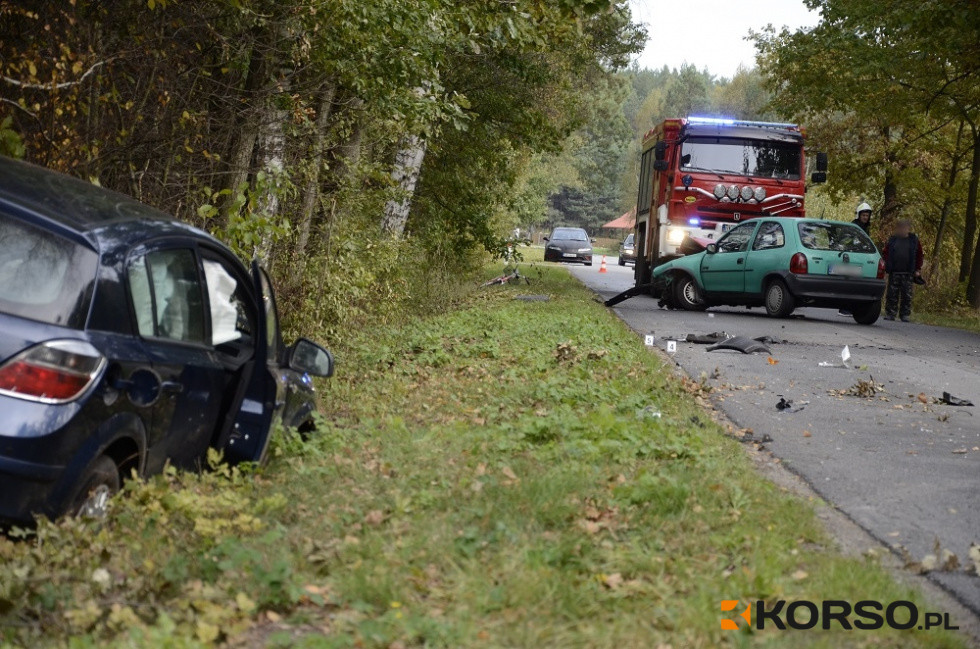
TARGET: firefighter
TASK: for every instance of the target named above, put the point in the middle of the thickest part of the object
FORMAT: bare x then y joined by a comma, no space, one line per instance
862,217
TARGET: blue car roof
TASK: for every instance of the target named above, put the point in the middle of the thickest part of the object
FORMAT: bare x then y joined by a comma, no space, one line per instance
104,217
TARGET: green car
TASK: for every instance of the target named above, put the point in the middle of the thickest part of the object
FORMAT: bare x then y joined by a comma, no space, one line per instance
780,263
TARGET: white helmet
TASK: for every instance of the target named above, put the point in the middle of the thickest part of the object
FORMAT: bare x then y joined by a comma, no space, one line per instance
863,207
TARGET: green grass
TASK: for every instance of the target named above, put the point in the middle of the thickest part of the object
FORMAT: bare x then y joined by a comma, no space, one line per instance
509,474
955,319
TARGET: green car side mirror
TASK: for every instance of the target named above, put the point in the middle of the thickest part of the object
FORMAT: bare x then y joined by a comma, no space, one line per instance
711,248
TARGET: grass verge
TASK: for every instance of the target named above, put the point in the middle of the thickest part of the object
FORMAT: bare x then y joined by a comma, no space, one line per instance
509,474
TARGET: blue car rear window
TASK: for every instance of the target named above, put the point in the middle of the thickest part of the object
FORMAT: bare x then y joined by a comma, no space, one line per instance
43,276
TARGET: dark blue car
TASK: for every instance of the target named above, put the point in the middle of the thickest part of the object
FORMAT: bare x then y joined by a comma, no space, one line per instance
128,340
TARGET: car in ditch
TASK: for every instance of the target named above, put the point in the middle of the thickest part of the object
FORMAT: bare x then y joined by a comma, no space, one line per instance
128,341
568,245
780,263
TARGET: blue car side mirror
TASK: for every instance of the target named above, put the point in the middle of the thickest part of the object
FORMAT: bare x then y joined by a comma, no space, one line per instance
308,357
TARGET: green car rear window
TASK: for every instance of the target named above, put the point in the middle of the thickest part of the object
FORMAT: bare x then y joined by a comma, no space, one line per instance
835,236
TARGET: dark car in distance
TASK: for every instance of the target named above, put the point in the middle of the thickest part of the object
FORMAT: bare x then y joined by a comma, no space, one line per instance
128,340
627,251
568,245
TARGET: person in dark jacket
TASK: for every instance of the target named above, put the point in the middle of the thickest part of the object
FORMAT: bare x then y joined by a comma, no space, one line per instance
903,264
862,217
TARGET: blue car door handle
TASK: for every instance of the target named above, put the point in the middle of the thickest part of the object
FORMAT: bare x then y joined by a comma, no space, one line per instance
173,387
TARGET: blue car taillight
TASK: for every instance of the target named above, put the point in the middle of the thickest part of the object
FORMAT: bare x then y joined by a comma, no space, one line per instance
56,371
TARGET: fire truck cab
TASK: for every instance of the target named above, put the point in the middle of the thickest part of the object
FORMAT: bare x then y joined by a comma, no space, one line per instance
701,176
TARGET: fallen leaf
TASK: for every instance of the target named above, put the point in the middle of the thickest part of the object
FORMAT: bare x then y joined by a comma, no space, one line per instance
613,581
509,473
959,451
800,575
772,361
974,555
807,433
923,398
374,517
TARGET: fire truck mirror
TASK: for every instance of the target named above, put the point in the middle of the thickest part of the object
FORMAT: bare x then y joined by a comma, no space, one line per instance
660,151
821,161
818,177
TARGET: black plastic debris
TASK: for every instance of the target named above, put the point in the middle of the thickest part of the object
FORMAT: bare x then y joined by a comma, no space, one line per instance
786,405
769,340
950,400
740,344
708,339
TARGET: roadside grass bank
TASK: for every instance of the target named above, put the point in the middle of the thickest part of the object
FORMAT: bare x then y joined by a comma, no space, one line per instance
505,474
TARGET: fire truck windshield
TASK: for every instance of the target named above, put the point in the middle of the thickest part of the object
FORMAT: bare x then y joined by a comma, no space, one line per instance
742,157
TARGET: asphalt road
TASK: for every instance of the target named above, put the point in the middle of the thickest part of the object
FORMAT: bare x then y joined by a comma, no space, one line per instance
907,472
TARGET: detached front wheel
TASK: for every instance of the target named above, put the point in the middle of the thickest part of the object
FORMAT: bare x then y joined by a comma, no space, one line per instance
688,295
779,301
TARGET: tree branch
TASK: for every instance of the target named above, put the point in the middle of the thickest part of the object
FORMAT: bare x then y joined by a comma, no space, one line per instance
55,86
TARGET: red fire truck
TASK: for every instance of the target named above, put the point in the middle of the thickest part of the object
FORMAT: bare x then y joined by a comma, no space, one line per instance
700,176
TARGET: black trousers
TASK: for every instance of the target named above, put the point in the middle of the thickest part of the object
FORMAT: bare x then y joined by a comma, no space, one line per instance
898,296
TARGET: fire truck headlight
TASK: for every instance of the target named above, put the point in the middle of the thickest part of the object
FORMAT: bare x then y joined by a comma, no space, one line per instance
733,192
720,191
746,193
675,236
760,193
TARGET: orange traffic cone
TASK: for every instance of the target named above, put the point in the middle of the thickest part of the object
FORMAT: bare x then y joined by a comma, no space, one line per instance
602,266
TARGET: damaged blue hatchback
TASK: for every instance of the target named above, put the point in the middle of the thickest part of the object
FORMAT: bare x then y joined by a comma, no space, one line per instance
128,340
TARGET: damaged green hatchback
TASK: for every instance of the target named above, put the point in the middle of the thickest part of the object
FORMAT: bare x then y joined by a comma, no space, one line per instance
780,263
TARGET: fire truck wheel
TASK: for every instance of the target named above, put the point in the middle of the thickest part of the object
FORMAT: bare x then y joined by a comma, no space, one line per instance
779,301
687,294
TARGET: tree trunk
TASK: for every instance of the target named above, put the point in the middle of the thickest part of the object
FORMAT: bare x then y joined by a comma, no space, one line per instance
967,259
891,207
240,162
408,167
311,190
271,142
954,171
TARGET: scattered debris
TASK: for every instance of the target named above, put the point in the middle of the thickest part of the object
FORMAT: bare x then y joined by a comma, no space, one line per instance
648,412
863,389
740,344
786,405
845,359
769,340
959,451
939,560
708,339
533,298
773,361
598,354
950,400
974,555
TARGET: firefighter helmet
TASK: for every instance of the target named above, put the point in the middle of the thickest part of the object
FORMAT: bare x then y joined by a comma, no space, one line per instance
863,207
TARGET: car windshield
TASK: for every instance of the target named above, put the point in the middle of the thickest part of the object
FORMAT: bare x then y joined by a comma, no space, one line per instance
836,236
743,157
629,241
43,276
569,234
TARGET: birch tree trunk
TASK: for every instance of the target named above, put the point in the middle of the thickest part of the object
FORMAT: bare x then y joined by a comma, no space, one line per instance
271,143
311,190
408,167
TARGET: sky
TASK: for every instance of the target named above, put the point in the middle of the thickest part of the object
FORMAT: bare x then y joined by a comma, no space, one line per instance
710,33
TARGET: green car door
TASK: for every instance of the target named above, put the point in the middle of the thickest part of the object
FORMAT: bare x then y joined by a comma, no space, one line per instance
768,252
724,270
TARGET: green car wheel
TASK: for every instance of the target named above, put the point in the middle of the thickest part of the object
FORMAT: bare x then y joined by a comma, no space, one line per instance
779,301
687,294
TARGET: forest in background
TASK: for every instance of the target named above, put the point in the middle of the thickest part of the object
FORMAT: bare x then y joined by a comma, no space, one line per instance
373,152
367,151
